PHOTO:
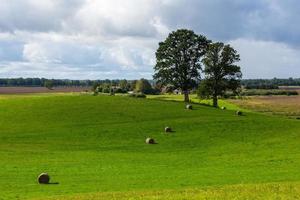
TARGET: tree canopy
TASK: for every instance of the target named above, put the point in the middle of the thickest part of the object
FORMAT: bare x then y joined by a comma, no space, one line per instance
178,60
221,72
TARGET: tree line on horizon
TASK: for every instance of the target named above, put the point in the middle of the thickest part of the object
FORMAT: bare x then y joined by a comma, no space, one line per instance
273,83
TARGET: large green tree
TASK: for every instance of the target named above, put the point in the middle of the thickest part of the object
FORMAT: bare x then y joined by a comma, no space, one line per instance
221,72
178,60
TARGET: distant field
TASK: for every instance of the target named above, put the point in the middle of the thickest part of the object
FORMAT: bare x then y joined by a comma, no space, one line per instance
94,147
279,105
290,88
28,90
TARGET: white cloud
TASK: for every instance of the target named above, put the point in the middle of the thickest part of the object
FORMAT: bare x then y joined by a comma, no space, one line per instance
266,59
118,38
36,53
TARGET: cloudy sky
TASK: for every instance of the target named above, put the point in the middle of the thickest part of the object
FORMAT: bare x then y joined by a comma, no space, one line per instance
98,39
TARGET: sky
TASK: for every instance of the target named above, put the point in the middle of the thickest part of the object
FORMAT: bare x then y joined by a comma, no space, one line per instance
99,39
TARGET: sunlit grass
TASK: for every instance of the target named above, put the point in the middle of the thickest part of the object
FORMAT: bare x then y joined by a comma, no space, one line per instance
95,145
270,191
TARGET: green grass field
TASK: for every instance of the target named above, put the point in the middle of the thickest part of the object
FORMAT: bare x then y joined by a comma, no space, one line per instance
93,148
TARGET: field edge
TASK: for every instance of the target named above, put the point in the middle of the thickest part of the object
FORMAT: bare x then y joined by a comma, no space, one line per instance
263,191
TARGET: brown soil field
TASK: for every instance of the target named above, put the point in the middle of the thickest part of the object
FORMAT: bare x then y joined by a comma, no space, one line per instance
29,90
279,105
290,88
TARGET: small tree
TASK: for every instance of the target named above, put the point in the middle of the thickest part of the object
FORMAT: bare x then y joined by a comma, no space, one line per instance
48,84
221,73
143,86
178,60
132,85
124,85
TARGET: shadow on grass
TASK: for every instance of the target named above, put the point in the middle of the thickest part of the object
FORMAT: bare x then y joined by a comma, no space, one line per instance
54,183
169,132
164,98
51,183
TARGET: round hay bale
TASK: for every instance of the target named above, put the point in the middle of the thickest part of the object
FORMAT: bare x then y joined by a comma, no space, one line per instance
189,107
43,178
239,113
223,108
168,129
150,141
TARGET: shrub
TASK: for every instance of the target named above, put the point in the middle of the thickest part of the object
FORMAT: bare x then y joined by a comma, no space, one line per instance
106,90
99,89
120,91
95,93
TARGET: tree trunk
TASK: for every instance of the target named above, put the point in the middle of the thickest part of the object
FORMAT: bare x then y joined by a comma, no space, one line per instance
215,101
186,96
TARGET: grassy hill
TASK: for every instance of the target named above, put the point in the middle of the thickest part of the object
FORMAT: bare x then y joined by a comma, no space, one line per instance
94,146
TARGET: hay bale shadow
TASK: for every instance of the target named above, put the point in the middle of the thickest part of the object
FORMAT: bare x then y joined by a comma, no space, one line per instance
53,183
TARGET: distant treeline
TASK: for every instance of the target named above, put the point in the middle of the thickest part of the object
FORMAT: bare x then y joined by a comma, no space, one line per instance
40,82
267,92
269,83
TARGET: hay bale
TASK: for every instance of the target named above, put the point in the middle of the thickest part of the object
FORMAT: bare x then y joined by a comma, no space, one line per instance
239,113
189,107
223,108
168,129
43,178
150,141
